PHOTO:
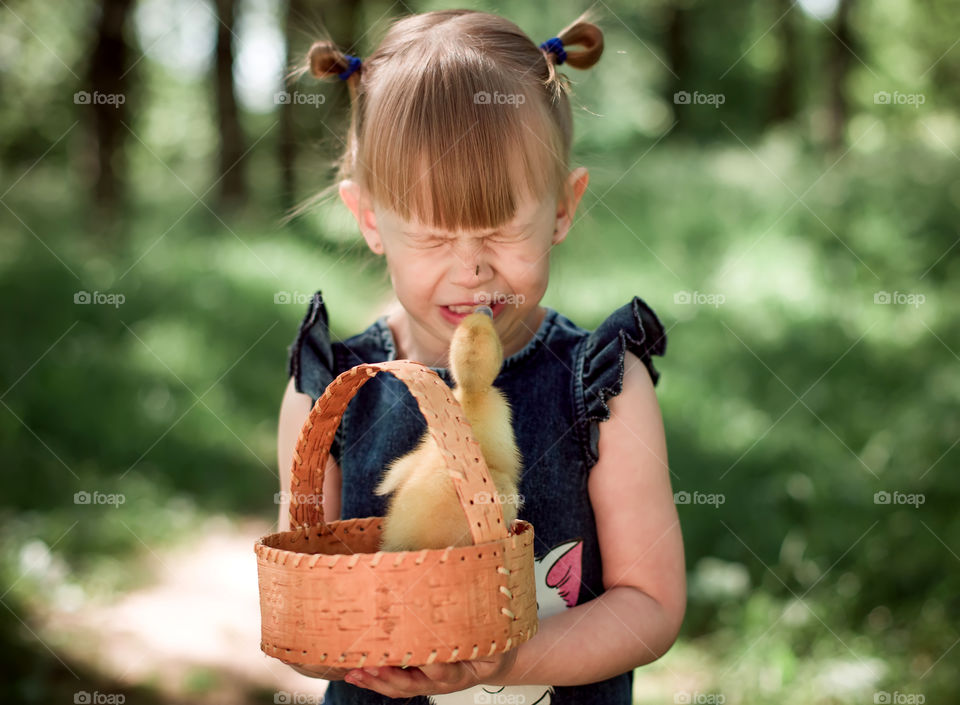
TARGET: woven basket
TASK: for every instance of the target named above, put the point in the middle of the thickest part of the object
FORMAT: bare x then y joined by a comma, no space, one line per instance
329,597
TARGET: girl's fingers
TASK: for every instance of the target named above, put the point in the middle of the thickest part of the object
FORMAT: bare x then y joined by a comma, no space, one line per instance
395,682
390,680
443,672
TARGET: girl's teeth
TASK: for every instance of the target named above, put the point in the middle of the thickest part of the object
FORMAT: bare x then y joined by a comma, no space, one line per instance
461,309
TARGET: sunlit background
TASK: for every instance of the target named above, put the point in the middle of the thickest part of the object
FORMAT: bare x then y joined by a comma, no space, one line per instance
779,181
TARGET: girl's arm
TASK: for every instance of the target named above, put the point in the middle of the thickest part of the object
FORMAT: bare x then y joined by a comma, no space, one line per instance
638,617
293,412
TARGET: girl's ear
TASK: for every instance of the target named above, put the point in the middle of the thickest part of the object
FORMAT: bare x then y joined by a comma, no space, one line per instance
356,199
577,185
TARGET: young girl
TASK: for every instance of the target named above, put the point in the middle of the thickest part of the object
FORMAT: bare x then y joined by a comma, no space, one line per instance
456,171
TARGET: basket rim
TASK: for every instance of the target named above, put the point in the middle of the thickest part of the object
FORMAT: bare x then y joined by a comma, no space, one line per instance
273,554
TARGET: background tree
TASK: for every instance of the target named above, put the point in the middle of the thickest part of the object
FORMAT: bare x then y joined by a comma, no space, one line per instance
231,170
108,76
841,53
783,99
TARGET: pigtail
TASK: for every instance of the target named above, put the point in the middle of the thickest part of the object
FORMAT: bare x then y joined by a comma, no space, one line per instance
584,34
581,32
325,61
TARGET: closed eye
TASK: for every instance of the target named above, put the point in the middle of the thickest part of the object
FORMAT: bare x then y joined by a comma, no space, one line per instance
427,243
509,237
430,240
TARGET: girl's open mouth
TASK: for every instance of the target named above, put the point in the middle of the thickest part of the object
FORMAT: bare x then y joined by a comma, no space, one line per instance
463,311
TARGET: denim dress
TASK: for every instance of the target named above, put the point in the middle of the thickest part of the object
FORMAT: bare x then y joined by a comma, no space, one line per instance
557,386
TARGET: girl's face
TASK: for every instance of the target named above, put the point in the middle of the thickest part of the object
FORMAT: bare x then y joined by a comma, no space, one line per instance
431,271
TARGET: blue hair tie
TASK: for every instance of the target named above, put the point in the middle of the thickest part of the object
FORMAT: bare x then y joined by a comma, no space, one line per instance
556,46
354,65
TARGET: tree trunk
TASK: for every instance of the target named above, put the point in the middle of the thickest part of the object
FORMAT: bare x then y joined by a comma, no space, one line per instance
783,102
107,102
840,55
287,145
231,172
678,57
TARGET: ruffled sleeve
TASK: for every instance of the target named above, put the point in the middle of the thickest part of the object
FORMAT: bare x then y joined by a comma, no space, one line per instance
634,327
311,360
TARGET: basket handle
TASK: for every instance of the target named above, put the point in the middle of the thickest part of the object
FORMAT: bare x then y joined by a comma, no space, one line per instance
445,422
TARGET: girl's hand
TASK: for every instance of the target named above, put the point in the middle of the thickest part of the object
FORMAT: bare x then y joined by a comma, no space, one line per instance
437,678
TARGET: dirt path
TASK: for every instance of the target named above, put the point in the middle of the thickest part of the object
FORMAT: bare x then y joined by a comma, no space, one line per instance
194,633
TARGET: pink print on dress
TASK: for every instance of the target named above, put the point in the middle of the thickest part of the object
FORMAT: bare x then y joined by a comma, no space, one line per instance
564,575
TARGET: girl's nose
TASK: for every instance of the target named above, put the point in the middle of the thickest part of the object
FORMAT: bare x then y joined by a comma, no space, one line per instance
470,273
470,267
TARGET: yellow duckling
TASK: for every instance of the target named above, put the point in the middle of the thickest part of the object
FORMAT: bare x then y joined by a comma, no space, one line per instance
424,511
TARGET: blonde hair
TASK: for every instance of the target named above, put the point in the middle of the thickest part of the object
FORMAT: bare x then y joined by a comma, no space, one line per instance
456,116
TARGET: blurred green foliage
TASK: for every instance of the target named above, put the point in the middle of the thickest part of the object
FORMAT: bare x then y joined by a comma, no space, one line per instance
791,392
